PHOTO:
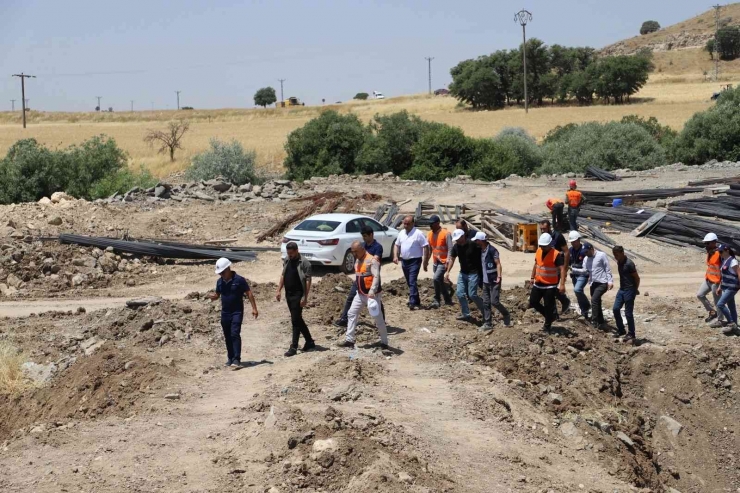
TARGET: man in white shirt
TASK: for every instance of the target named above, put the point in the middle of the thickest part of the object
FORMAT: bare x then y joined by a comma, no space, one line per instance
600,277
411,247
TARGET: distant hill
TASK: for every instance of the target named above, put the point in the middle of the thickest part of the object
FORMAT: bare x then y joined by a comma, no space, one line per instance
689,34
679,49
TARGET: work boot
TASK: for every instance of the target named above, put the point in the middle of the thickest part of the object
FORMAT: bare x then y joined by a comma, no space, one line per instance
547,327
507,321
712,316
718,324
236,364
434,305
308,346
731,329
619,333
463,318
630,340
340,322
485,328
347,344
383,347
228,363
291,352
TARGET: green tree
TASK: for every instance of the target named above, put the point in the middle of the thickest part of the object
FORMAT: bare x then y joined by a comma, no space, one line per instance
264,97
619,77
440,153
709,47
477,82
649,27
361,96
328,144
728,39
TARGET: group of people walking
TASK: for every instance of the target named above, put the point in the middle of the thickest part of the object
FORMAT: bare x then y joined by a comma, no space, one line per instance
480,268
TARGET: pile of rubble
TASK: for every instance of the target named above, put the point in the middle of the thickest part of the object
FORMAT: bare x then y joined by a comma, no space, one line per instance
216,190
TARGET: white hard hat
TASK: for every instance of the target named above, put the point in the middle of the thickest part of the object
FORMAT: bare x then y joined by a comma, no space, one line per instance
545,239
710,237
480,236
222,264
457,234
373,307
574,235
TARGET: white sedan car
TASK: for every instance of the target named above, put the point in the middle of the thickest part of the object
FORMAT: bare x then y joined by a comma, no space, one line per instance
325,239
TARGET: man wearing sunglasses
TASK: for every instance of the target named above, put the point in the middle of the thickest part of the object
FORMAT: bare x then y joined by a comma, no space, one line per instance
375,249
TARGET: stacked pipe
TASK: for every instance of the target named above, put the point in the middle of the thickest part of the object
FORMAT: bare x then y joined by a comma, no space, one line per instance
631,196
600,174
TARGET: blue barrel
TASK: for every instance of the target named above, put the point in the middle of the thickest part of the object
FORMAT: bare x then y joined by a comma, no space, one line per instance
616,202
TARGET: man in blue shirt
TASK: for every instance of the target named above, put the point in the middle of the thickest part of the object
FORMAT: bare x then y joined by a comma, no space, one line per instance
376,250
232,289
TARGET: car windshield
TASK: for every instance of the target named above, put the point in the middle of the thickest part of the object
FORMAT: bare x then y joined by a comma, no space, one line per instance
317,225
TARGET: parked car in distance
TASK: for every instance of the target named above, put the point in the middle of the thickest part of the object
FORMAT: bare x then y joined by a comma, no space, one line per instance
441,92
325,239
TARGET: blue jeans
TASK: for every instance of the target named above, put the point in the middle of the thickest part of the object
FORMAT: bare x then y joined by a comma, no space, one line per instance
231,323
726,304
579,286
467,287
625,298
411,269
573,217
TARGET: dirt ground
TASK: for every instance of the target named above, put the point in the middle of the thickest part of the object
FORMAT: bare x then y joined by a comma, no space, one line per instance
139,400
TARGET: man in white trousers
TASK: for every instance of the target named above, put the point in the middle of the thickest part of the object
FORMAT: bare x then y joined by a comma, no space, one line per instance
367,270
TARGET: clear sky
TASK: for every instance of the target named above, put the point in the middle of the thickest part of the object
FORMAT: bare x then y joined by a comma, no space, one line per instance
219,52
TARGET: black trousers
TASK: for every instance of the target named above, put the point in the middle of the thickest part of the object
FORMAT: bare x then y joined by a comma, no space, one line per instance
296,318
558,219
598,289
543,300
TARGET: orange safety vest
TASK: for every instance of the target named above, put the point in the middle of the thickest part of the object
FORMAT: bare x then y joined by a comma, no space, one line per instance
552,202
574,198
364,274
438,245
714,261
546,271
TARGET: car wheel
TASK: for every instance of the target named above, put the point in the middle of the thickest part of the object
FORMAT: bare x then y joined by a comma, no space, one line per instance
348,264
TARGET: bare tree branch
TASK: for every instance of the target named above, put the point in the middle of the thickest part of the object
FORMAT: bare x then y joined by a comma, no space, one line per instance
169,140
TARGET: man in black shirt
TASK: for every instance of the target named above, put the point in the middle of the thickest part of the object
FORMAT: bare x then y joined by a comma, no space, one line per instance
629,288
470,270
296,279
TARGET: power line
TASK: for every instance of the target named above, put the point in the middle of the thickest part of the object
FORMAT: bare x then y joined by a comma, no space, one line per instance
178,99
12,105
23,78
282,98
429,59
717,9
99,98
132,106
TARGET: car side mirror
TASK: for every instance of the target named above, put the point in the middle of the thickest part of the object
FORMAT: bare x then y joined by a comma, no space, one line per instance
385,228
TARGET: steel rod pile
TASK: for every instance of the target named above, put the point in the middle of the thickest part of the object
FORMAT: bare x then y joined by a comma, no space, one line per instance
632,196
600,174
679,230
192,252
724,207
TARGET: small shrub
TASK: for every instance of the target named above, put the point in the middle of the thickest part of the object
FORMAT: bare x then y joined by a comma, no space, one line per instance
608,146
560,132
361,96
122,181
517,132
328,144
711,134
226,159
661,133
526,155
90,162
12,379
440,153
649,27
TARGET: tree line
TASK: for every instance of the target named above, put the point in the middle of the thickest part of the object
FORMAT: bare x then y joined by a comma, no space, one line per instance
555,73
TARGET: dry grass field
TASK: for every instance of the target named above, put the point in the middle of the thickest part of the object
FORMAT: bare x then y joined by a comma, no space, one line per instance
671,100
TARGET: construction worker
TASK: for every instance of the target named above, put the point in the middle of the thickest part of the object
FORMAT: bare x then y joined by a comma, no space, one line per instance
490,281
375,249
470,269
578,272
601,279
556,206
440,243
712,280
367,271
629,288
232,289
561,245
548,278
411,248
729,287
296,278
574,199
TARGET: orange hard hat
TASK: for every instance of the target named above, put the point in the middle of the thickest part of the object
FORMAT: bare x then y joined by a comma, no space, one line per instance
572,184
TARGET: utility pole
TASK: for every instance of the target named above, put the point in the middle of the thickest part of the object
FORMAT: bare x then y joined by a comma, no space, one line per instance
523,17
132,106
429,59
23,78
99,98
282,98
12,105
178,99
717,9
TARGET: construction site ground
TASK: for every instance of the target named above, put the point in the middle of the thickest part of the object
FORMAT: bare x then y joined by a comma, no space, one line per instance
141,402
